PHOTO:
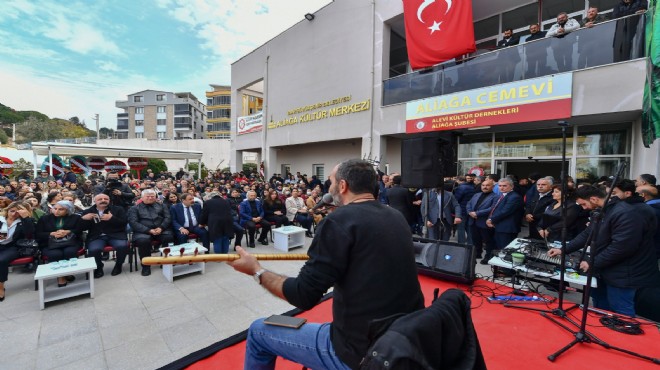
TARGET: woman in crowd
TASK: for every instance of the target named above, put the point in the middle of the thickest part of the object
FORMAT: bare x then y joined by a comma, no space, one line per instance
51,199
34,204
171,200
274,210
73,188
59,235
551,223
52,185
17,224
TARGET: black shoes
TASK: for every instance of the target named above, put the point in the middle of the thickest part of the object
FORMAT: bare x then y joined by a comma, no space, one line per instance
98,273
309,234
146,270
263,241
116,270
487,257
251,245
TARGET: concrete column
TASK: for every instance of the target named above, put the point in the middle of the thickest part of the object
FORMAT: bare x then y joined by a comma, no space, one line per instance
270,162
236,159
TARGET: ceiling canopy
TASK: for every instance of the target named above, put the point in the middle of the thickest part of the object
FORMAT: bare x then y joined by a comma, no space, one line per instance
42,148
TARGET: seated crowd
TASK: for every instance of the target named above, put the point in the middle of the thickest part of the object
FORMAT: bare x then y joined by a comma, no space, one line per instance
78,215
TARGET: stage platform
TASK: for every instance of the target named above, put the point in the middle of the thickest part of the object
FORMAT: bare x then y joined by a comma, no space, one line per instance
510,338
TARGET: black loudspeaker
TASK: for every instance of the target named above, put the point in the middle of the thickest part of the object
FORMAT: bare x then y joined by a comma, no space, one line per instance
425,161
445,260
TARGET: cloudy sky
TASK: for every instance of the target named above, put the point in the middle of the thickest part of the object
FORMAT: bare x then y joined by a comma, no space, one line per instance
76,58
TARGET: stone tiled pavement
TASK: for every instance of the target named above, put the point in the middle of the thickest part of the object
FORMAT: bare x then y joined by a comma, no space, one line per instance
135,322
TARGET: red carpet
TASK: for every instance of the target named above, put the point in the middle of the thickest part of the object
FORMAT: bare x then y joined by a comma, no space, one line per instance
510,338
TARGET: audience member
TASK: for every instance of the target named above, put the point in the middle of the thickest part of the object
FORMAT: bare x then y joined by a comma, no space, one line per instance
150,222
298,212
251,214
106,225
185,221
217,215
17,224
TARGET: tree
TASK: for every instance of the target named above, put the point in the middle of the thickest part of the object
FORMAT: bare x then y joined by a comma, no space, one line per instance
192,168
34,129
3,137
106,132
249,168
155,165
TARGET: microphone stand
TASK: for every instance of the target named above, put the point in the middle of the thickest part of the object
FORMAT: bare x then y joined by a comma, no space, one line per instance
559,311
582,335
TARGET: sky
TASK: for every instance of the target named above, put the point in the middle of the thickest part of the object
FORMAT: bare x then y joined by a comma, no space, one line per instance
76,58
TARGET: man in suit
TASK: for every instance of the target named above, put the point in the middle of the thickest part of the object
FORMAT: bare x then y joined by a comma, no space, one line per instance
185,220
107,226
506,214
478,209
508,58
217,215
536,53
535,205
401,199
451,213
251,214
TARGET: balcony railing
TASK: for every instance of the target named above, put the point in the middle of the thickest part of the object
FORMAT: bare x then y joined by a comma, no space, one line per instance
122,127
609,42
122,115
182,126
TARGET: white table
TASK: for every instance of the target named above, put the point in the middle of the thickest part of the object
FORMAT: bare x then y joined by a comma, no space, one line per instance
45,272
289,237
170,271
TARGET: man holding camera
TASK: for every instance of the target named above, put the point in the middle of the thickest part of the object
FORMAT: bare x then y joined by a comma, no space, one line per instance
119,193
107,226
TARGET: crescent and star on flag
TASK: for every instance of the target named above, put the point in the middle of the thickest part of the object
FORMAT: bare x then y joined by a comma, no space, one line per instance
436,25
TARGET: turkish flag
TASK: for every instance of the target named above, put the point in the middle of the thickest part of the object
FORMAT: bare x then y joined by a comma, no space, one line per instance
437,30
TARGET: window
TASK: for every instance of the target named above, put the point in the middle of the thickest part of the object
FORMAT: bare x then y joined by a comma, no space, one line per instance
139,135
161,122
138,99
161,135
319,171
160,97
139,110
139,122
219,100
161,109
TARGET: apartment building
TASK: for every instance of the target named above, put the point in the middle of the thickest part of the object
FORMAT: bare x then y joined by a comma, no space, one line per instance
153,114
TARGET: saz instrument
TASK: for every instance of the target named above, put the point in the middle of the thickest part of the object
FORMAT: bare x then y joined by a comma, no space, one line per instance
172,260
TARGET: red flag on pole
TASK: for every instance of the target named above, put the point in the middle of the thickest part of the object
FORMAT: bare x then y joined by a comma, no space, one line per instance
437,30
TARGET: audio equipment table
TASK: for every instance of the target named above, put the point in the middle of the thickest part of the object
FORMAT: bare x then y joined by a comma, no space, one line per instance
537,263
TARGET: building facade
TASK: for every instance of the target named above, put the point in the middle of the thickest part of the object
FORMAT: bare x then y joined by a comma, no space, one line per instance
152,114
218,107
339,86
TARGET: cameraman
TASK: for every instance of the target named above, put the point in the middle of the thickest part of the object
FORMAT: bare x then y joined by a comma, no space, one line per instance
119,193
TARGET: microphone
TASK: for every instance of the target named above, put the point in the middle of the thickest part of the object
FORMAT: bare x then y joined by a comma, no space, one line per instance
326,200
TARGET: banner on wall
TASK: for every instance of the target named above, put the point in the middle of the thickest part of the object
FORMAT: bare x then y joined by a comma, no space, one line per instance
248,124
537,99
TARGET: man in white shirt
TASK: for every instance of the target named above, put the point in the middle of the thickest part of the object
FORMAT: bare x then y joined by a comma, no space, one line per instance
297,211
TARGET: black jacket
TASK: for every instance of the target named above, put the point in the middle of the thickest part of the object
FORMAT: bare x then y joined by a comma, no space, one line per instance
537,36
115,228
46,225
216,214
143,217
441,336
536,206
624,252
24,230
401,199
622,9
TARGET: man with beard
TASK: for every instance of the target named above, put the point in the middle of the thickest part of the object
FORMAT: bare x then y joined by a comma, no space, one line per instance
107,226
624,259
348,255
563,49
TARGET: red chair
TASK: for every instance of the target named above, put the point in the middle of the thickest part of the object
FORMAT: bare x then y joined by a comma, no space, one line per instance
131,255
25,261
